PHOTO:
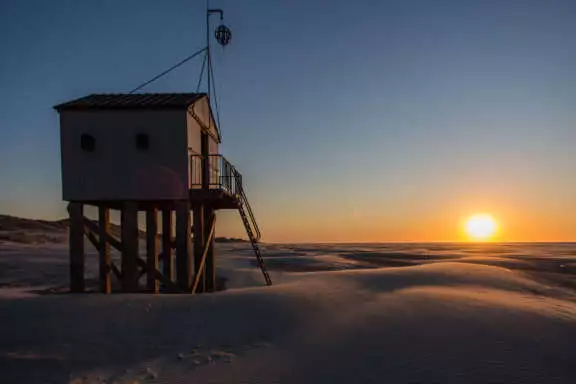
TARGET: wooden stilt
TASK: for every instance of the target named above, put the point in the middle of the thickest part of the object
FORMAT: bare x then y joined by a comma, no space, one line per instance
167,261
104,249
76,247
170,286
129,223
152,249
201,224
210,266
210,236
198,214
183,254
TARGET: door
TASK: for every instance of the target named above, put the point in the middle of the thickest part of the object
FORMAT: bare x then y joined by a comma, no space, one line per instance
205,151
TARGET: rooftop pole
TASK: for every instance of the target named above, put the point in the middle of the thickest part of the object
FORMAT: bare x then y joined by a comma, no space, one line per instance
210,12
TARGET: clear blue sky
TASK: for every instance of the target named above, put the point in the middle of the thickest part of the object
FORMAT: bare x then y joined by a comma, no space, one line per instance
341,115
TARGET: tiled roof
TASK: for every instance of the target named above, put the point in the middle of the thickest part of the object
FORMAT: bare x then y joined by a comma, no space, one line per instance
132,101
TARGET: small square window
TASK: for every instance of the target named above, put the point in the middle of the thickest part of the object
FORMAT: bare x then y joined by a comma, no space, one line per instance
142,142
87,142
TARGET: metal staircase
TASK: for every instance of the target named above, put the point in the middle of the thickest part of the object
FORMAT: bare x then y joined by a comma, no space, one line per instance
252,230
224,177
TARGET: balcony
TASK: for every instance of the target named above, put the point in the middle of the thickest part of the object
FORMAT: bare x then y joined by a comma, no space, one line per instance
222,189
222,182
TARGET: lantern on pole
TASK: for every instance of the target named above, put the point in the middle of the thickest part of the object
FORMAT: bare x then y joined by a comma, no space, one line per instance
223,35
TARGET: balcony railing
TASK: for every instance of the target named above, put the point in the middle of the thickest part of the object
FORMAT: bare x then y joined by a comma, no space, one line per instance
222,174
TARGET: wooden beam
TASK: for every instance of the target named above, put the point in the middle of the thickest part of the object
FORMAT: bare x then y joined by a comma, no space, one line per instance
116,271
111,239
183,254
198,214
204,254
167,243
152,248
168,284
76,247
130,238
161,256
91,237
141,273
104,250
210,266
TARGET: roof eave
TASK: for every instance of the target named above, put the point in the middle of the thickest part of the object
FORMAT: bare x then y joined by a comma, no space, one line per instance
83,105
60,108
213,119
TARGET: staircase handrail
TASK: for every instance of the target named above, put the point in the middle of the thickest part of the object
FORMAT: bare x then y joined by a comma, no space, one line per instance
258,234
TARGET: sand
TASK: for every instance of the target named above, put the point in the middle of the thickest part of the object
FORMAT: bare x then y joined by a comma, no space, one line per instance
336,314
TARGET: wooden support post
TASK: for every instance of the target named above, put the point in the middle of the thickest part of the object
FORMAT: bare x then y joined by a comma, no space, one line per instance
104,250
76,247
130,238
183,254
167,261
210,266
205,162
152,249
170,286
199,245
209,238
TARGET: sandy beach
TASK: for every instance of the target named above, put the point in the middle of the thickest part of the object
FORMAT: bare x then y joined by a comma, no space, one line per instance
398,313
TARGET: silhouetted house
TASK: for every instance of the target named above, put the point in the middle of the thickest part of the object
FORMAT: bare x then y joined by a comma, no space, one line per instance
135,146
149,153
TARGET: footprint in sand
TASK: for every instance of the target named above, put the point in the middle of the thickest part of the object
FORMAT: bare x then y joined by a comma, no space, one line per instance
222,356
200,358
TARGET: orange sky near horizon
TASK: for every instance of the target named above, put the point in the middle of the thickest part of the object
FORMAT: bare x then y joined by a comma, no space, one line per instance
428,224
427,230
420,221
526,208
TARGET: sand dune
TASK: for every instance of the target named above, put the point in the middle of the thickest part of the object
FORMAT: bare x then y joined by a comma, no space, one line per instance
439,320
21,231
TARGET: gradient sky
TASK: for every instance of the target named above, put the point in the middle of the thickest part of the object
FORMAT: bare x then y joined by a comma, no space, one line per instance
353,121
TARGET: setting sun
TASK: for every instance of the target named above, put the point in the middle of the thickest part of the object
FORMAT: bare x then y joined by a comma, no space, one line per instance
481,227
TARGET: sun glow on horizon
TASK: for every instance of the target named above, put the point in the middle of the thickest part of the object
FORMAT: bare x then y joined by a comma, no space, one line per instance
481,227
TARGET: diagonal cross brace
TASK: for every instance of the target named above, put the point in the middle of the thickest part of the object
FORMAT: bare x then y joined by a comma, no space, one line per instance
204,254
